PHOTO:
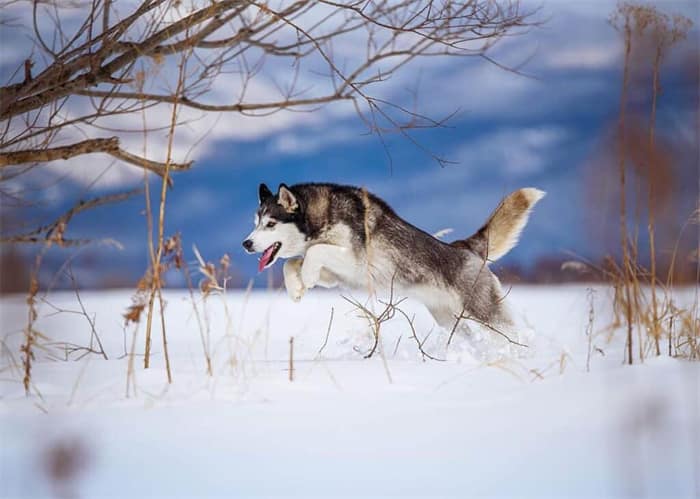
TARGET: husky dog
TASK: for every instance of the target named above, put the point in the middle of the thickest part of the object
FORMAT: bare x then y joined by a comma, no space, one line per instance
339,235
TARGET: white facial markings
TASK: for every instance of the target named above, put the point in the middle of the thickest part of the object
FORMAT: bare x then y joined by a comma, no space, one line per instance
292,241
264,220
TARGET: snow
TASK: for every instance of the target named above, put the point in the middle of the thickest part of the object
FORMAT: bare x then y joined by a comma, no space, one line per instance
393,425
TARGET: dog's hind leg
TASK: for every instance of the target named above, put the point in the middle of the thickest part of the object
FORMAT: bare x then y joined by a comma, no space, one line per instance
445,317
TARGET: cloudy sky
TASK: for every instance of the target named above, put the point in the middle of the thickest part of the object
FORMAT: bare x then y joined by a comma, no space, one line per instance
541,128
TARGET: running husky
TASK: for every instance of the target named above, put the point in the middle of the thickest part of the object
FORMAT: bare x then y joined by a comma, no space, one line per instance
338,235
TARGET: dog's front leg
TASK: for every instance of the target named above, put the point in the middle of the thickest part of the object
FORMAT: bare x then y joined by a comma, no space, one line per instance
321,264
292,278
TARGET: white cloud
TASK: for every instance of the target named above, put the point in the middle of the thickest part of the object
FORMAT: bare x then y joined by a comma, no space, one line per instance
513,151
584,57
193,203
310,140
510,154
99,171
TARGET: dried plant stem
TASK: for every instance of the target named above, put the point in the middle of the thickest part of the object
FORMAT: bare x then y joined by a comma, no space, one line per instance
130,374
291,358
29,333
151,247
156,281
206,331
589,328
623,201
368,221
652,245
229,328
366,205
207,356
147,199
91,321
149,320
328,333
414,334
165,338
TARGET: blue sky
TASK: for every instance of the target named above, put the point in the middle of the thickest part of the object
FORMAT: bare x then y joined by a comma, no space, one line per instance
509,131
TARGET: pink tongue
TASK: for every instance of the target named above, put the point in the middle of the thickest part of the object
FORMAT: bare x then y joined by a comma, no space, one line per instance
265,258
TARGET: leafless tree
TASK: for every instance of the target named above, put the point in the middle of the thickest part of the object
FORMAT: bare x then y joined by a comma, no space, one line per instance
92,61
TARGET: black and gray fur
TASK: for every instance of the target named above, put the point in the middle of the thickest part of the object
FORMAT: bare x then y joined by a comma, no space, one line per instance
340,235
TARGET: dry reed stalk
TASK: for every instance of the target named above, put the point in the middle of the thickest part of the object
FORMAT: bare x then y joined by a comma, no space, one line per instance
371,290
165,338
224,264
627,33
149,214
670,335
375,323
328,333
368,246
589,328
68,347
652,244
200,326
665,33
414,334
30,334
130,373
640,22
156,283
208,285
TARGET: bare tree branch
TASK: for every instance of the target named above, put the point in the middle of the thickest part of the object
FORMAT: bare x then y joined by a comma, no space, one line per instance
83,72
54,231
240,108
147,164
109,145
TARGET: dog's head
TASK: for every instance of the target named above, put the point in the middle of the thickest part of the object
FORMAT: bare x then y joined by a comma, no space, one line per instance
278,227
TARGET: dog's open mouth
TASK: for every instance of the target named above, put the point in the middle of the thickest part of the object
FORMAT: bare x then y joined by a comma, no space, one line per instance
268,256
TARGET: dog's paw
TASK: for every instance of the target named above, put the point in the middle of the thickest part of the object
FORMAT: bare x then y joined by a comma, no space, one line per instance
295,290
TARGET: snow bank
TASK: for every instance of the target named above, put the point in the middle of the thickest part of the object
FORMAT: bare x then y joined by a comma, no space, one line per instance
397,424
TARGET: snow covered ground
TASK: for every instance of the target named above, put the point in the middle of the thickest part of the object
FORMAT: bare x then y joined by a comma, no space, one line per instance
397,424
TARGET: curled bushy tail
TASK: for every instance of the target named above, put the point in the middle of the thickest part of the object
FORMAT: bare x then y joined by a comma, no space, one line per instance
502,230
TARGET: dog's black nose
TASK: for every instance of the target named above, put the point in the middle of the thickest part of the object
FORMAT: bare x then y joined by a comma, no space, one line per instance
248,245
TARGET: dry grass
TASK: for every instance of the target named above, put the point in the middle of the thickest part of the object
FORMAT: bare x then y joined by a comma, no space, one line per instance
54,234
643,302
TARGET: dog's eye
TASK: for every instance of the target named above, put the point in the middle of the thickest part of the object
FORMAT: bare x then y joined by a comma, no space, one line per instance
270,224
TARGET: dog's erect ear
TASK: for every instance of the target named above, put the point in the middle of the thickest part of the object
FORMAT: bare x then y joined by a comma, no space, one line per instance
287,199
264,193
